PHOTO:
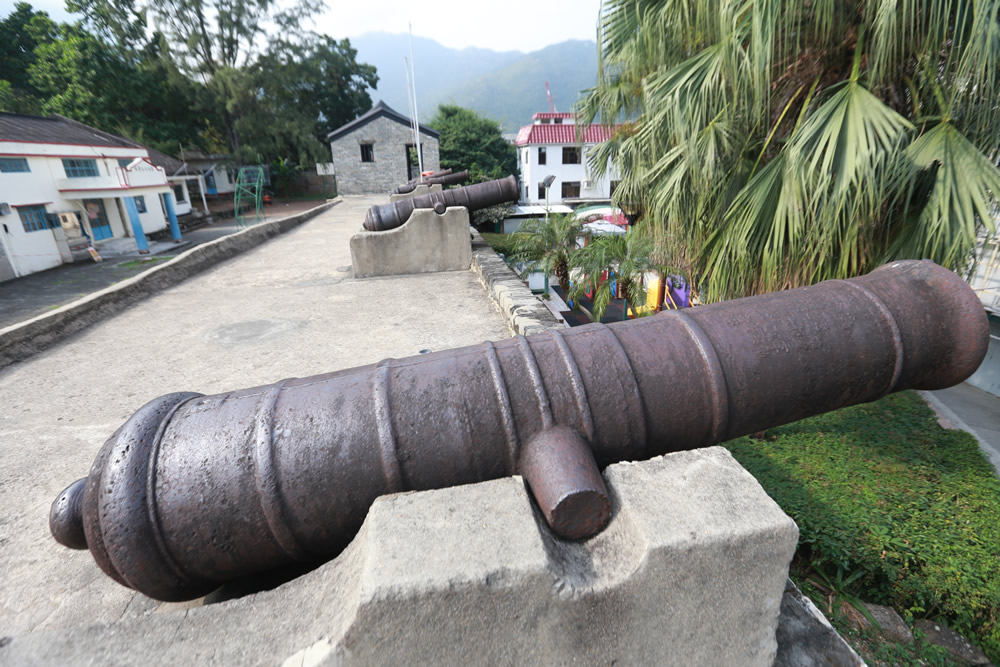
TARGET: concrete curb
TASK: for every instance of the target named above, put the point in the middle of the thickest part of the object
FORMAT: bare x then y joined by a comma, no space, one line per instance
523,313
22,340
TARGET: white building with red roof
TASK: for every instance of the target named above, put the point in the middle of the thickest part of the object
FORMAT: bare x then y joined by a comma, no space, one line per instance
550,147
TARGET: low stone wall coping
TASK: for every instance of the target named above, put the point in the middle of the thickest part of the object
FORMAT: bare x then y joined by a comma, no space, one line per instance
521,310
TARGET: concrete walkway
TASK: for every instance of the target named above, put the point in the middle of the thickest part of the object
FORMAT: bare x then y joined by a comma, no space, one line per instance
973,410
35,294
287,308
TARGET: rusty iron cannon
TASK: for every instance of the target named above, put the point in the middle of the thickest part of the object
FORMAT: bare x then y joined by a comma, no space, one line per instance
472,197
193,490
445,179
433,174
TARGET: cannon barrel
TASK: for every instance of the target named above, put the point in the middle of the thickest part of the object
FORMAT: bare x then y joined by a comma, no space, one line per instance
196,490
444,179
472,197
423,179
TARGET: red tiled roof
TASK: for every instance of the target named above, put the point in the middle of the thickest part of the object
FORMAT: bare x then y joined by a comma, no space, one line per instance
562,134
551,114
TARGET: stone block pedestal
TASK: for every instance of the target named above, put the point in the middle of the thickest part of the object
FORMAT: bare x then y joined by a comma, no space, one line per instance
690,571
425,243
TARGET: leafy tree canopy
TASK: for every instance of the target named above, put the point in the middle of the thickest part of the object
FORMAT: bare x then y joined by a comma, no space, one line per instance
771,144
470,141
217,75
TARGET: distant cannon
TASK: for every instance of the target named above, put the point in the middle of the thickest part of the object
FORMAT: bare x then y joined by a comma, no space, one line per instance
472,197
445,179
193,491
422,179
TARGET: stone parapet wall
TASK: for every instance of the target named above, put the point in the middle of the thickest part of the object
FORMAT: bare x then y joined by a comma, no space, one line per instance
521,310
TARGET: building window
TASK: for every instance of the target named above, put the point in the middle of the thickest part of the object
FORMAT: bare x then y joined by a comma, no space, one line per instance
33,218
367,152
179,194
125,161
541,155
541,191
557,121
570,189
11,165
77,168
571,155
614,186
140,203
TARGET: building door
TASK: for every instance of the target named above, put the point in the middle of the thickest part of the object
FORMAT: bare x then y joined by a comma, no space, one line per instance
100,226
412,162
210,183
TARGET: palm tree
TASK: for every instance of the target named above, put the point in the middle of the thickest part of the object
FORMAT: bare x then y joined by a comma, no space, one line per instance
772,143
626,256
547,245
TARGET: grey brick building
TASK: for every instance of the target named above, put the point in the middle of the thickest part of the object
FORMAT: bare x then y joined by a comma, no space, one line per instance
372,152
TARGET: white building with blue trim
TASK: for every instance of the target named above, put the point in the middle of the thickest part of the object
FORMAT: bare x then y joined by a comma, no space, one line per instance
65,186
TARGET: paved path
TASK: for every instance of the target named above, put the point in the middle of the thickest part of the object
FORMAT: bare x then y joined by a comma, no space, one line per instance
288,308
35,294
973,410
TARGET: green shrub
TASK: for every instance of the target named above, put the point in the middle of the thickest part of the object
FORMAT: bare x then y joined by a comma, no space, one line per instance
882,488
503,244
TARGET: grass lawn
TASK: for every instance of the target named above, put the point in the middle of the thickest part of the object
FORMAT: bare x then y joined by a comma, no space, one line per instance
893,510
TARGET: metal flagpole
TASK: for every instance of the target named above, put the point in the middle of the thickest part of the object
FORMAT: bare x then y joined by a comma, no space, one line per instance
416,122
413,122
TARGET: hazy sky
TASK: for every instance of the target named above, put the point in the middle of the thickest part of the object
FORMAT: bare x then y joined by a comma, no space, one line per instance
501,25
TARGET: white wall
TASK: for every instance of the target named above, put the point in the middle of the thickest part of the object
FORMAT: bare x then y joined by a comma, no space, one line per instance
533,173
34,251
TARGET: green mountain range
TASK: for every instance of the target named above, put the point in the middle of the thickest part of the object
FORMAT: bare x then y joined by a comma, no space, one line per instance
507,86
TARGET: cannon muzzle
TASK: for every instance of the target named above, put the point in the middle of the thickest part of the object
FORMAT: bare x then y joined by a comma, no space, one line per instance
193,490
472,197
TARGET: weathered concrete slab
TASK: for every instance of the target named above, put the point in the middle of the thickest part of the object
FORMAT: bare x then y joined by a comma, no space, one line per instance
426,243
22,340
691,570
286,308
417,191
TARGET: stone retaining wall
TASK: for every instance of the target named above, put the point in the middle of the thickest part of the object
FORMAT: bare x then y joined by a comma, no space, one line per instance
521,310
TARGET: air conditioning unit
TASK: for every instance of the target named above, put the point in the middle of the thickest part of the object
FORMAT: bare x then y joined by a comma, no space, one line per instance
587,185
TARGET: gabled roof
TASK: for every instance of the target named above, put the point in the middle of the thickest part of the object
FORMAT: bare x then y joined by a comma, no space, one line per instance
562,134
57,130
380,110
171,165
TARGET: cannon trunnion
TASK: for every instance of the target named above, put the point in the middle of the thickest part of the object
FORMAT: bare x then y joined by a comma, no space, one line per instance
193,490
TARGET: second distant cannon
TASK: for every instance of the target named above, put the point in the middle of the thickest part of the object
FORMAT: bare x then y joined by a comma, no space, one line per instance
473,197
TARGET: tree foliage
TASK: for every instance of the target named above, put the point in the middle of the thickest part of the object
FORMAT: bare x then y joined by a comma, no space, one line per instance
470,141
218,75
772,144
548,245
622,259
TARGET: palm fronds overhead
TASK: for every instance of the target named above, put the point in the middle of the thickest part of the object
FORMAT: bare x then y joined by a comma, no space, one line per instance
771,144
